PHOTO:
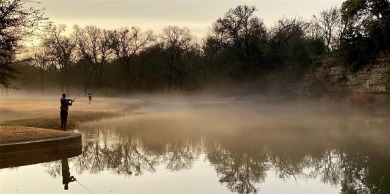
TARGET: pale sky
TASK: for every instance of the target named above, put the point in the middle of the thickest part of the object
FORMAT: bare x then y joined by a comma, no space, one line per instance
197,15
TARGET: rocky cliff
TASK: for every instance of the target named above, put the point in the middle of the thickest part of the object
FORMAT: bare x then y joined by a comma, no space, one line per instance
329,77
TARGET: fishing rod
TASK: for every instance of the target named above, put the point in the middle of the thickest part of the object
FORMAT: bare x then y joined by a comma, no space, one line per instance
77,95
82,89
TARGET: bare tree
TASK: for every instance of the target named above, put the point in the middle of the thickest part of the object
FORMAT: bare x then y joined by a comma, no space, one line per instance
61,51
177,43
40,59
94,46
126,44
243,33
239,27
328,25
282,38
284,30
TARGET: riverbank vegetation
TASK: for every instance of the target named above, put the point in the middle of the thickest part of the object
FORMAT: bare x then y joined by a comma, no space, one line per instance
240,51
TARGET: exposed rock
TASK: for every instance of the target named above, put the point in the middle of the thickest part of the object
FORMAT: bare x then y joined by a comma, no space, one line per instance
329,77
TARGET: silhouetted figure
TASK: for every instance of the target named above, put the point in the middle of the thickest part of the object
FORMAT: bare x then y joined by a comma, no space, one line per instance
65,103
66,178
90,97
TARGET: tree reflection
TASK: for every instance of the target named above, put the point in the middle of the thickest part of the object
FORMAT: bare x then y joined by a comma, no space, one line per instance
53,168
240,164
333,155
125,157
366,172
134,153
328,167
181,154
350,157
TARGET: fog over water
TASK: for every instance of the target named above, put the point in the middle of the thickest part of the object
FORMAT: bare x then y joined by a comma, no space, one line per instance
218,146
195,96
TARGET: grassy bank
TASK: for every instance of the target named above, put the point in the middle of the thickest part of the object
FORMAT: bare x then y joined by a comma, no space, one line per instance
27,119
53,122
13,134
45,127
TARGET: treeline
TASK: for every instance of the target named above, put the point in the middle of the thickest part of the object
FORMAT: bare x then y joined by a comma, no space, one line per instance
238,49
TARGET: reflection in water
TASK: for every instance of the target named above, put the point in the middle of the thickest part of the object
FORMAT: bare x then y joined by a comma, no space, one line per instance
347,152
240,168
66,178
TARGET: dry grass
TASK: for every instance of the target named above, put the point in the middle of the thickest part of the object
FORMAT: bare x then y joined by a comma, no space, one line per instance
26,108
53,122
24,119
12,134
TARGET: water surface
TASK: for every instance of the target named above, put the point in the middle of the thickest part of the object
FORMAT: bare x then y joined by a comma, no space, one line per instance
221,148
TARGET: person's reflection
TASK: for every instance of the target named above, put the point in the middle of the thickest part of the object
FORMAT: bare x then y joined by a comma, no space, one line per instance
66,178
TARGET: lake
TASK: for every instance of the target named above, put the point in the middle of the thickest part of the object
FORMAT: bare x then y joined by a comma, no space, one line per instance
221,147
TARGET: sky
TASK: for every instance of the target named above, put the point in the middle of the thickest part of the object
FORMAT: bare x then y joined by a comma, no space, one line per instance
197,15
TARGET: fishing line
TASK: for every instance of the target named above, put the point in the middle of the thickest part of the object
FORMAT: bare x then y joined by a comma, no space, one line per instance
84,187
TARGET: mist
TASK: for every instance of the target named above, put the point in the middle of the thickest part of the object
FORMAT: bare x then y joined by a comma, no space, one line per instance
287,107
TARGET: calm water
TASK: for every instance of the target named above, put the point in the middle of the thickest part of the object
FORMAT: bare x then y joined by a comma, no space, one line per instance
221,148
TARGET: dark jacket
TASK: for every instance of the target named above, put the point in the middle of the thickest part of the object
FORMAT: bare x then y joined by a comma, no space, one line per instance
65,103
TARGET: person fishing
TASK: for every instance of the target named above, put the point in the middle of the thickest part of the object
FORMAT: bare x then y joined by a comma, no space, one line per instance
65,103
90,97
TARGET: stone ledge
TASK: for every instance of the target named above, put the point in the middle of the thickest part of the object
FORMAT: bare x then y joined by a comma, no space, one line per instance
38,151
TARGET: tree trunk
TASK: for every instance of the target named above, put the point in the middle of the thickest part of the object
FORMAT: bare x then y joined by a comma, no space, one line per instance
42,87
67,89
127,84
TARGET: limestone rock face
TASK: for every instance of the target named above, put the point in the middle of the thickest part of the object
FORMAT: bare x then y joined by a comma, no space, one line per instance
330,77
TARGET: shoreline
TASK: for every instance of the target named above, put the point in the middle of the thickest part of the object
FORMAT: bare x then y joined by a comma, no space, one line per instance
40,117
37,151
